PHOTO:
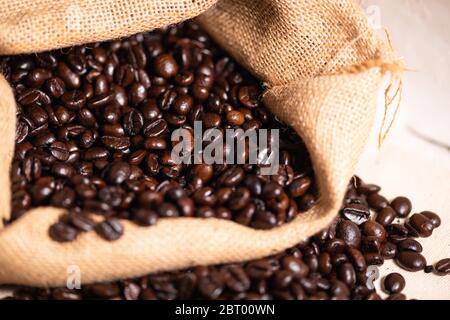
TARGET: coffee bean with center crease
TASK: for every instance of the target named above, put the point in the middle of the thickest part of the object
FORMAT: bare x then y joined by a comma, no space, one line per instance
62,232
110,229
442,267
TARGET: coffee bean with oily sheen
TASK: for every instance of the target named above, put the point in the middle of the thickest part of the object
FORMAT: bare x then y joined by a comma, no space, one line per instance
165,66
111,229
356,212
394,283
118,172
386,216
411,261
402,206
421,224
211,120
410,244
133,122
377,201
442,267
62,232
349,232
433,217
374,229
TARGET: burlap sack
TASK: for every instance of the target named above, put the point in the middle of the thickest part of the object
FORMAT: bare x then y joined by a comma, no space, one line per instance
322,66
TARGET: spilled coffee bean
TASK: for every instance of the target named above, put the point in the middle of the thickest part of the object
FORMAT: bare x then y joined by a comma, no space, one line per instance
336,263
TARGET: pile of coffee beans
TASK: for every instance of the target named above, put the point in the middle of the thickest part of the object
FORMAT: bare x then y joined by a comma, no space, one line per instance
334,264
94,136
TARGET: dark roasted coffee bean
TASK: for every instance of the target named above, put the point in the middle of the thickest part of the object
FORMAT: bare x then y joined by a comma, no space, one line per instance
409,244
349,232
111,229
442,267
248,96
165,66
394,283
374,229
356,212
133,122
145,217
211,120
118,172
377,201
386,216
421,224
81,221
388,250
433,217
62,232
411,261
402,206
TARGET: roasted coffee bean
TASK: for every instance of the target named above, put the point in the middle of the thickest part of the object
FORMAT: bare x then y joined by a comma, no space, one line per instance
433,217
81,221
409,244
118,172
111,229
356,212
377,201
349,232
442,267
402,206
94,129
388,250
133,122
394,283
374,229
421,224
386,216
145,217
62,232
165,66
411,261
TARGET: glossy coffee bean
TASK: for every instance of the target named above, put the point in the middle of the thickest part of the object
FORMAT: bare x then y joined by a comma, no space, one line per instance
394,283
402,206
411,261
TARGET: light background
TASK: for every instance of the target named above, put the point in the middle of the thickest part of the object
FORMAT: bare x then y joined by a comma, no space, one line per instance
406,164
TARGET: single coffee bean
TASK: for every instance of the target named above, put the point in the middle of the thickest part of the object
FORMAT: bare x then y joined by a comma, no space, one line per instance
410,244
433,217
62,232
421,224
402,206
374,229
394,283
386,216
110,229
356,212
411,261
442,267
349,232
376,201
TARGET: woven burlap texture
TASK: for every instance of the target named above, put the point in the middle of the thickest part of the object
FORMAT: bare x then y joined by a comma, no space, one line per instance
322,66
